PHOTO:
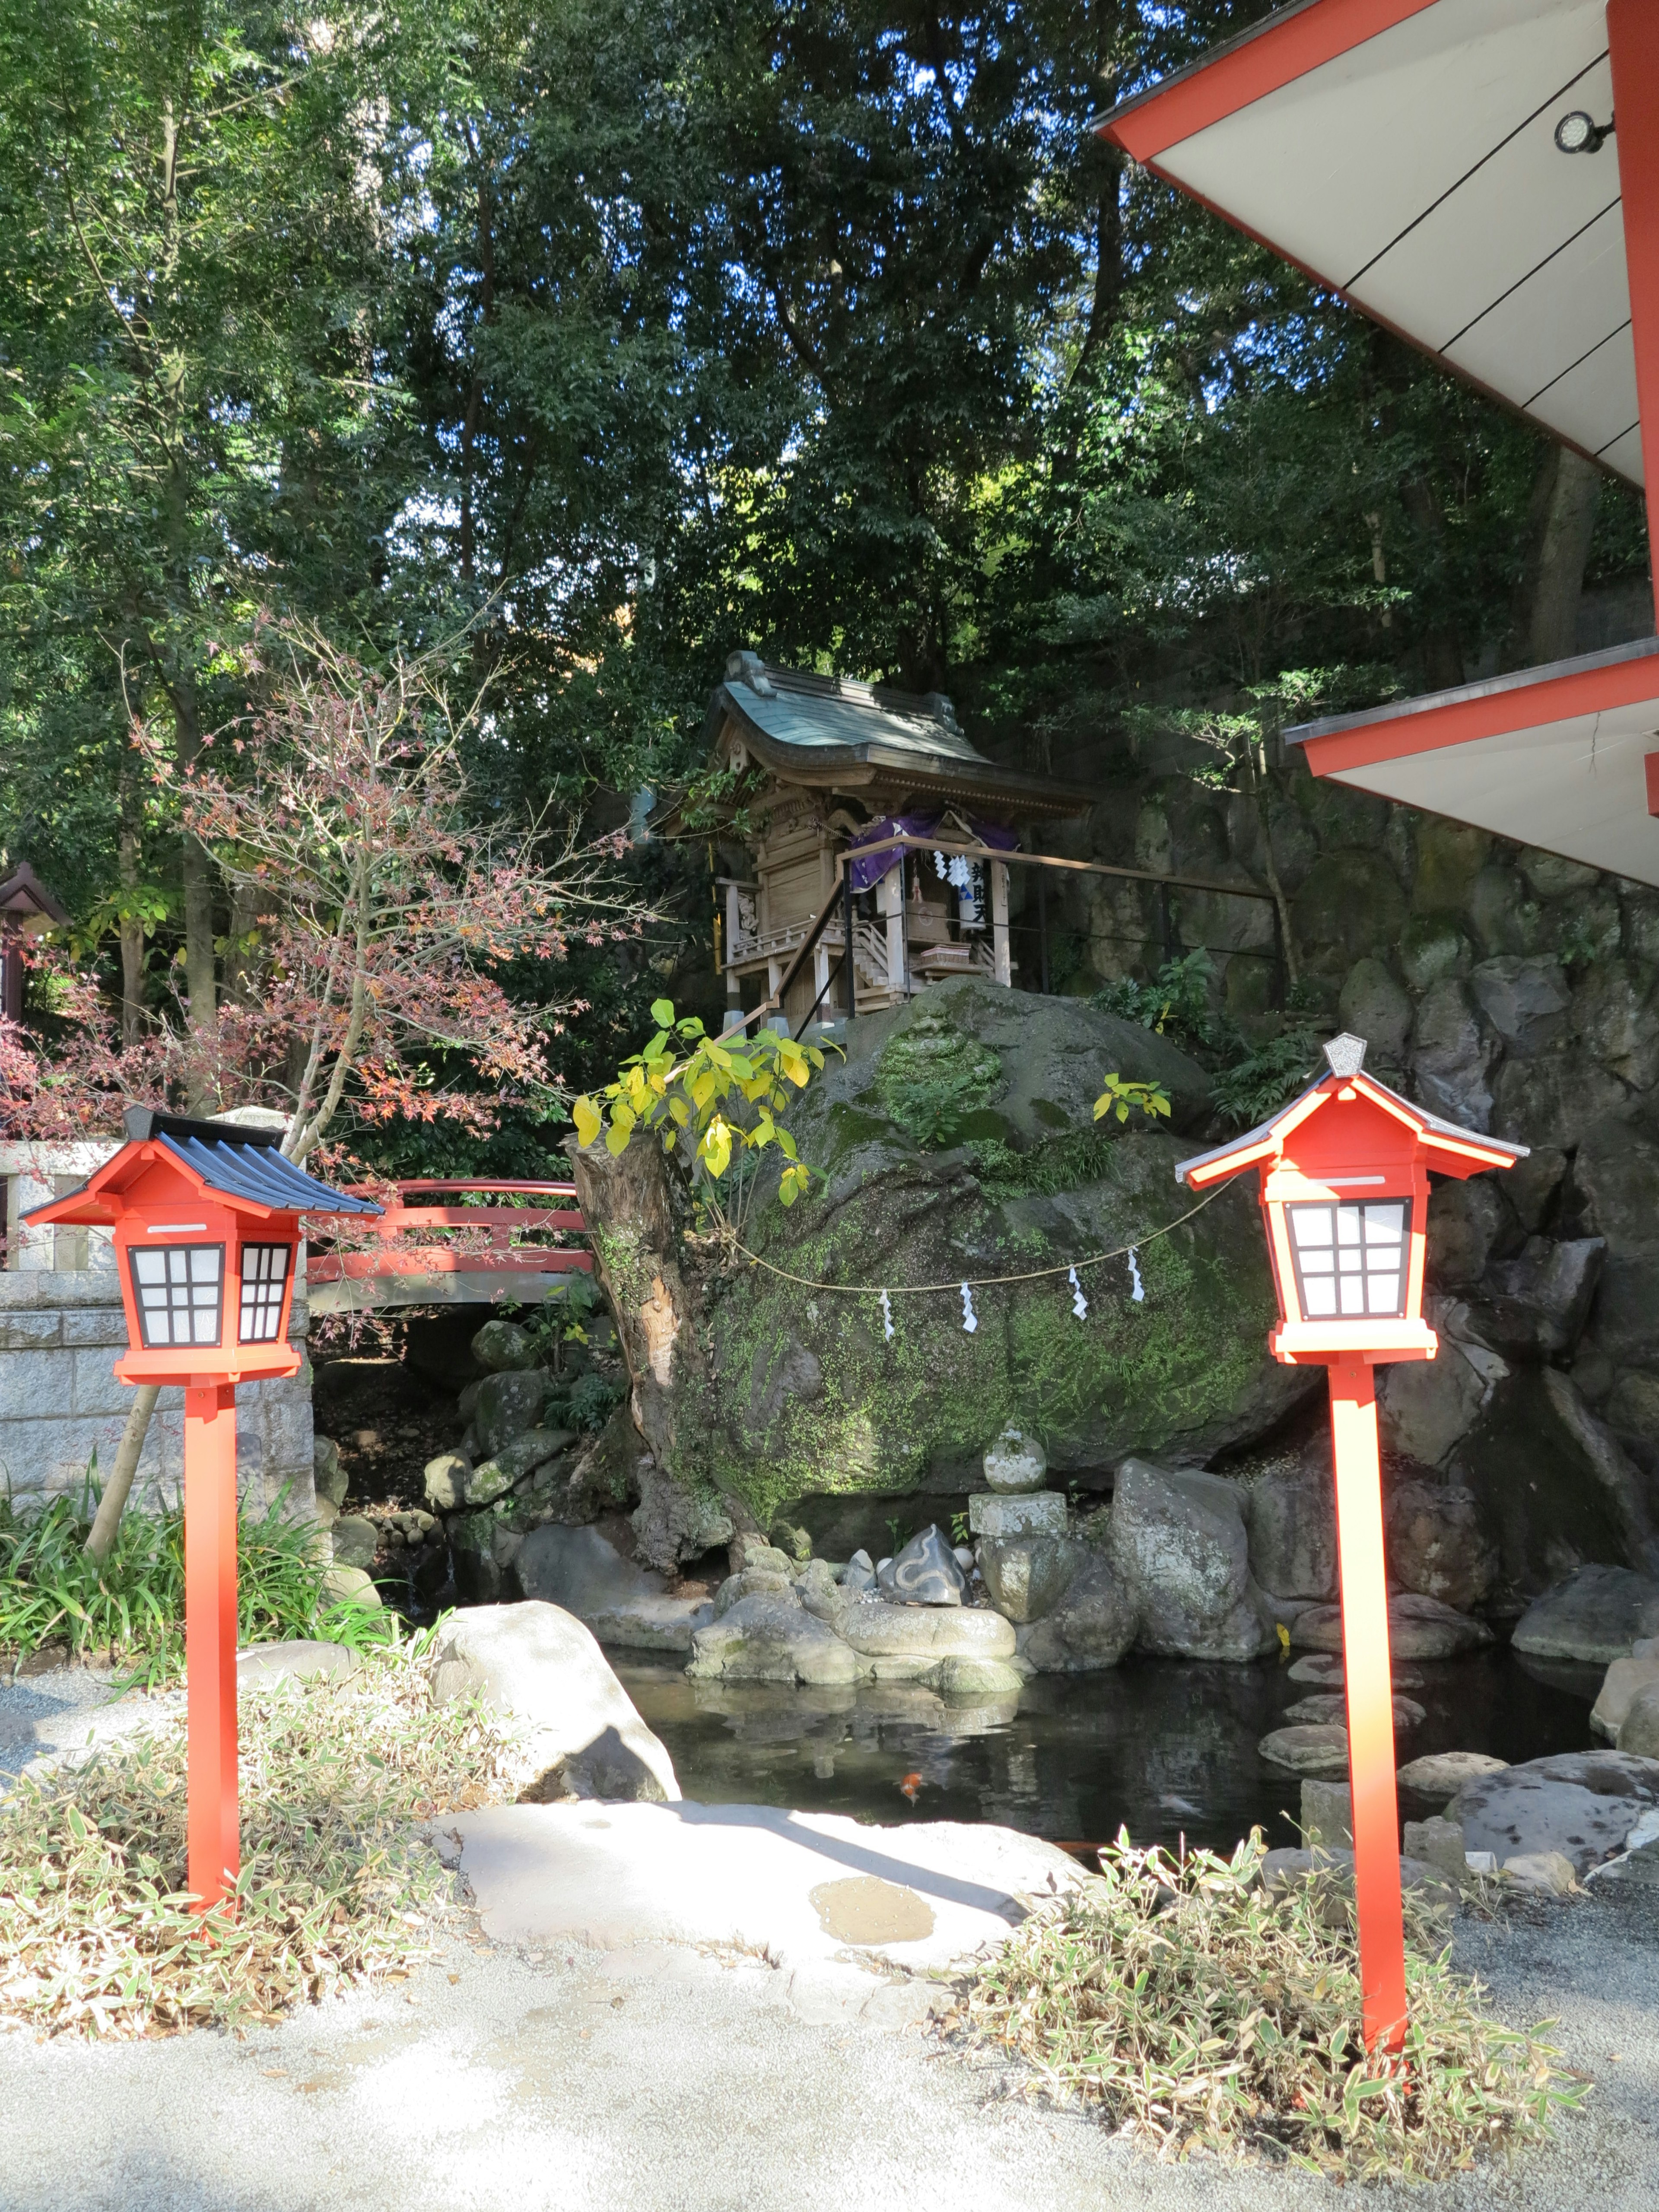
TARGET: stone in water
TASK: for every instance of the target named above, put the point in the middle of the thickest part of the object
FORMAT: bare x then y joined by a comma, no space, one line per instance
1321,1749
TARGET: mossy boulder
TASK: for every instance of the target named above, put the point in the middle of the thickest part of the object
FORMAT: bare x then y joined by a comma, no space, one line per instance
958,1142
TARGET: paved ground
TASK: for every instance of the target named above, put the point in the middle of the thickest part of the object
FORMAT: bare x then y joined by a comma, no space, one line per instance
536,2071
662,2075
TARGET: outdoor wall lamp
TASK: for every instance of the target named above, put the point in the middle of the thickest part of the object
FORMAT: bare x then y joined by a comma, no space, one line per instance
1578,133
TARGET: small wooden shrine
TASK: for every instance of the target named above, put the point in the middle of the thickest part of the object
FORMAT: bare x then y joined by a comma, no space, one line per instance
827,766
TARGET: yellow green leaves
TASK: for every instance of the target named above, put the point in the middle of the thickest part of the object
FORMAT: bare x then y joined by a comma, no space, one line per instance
589,1120
685,1081
1122,1098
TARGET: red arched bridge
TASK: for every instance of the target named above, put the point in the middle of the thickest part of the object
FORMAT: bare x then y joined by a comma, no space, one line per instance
437,1244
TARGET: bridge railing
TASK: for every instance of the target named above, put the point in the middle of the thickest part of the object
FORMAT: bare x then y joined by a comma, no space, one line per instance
482,1240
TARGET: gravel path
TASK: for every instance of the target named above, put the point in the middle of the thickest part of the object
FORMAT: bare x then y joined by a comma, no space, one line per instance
45,1714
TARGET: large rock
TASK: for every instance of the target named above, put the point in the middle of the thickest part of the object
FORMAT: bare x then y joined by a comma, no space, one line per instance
577,1570
500,1347
878,1630
650,1623
1030,1576
1554,1485
1436,1545
1623,1679
1443,1774
1638,1731
807,1395
1427,1407
1597,1615
327,1474
509,1405
677,1520
1180,1549
1418,1628
356,1539
1534,1306
769,1638
1092,1627
541,1668
508,1466
445,1481
1581,1803
1452,1054
1290,1519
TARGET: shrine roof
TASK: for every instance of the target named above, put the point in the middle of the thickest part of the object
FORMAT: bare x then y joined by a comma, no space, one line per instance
232,1162
831,731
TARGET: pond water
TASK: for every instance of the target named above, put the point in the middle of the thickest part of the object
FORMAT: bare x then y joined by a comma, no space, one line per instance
1165,1747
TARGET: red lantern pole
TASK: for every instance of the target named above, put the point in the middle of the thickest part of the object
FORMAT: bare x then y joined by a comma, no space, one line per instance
215,1829
1370,1703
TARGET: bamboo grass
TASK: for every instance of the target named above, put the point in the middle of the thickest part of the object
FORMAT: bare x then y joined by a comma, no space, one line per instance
1196,2011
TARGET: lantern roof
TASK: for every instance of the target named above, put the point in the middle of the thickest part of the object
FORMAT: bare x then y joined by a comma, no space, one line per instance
243,1167
1445,1146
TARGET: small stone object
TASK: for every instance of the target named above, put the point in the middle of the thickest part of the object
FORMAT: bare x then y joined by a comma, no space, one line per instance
747,1549
507,1405
356,1541
1328,1813
925,1571
501,1347
1480,1862
963,1556
794,1543
1036,1513
351,1586
1016,1463
1319,1749
1437,1842
859,1574
445,1481
1549,1872
1443,1774
329,1476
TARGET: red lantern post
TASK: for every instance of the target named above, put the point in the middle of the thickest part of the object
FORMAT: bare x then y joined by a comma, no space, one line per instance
206,1217
1345,1190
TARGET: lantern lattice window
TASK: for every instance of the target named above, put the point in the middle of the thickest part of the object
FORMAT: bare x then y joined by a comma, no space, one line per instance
179,1289
1351,1258
264,1272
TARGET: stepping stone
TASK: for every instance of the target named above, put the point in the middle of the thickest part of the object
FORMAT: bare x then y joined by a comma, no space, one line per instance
1333,1706
1325,1668
1443,1774
1418,1628
1318,1749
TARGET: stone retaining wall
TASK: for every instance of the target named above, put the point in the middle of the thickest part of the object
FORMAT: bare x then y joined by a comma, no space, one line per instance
60,1333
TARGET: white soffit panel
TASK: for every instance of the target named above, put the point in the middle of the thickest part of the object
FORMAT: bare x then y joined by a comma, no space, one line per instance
1418,174
1576,787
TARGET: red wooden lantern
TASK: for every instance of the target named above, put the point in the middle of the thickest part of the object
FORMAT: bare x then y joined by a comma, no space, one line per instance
1345,1193
206,1218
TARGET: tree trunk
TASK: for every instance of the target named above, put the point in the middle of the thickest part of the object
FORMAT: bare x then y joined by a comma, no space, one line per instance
201,977
131,929
1561,550
631,1216
101,1542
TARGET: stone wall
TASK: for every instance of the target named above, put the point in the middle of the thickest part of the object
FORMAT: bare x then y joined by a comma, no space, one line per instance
1512,990
60,1334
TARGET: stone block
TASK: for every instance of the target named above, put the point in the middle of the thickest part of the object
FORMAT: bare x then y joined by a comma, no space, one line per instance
89,1327
39,1386
1037,1513
1623,1677
1437,1842
29,1330
94,1389
1327,1813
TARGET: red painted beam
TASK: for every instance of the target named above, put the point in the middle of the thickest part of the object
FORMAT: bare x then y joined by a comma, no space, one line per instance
444,1260
1461,721
1250,68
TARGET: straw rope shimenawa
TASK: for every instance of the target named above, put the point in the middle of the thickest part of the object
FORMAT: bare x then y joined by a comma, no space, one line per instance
973,1282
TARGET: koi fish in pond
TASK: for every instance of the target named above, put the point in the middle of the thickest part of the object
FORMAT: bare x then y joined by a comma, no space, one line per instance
911,1786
